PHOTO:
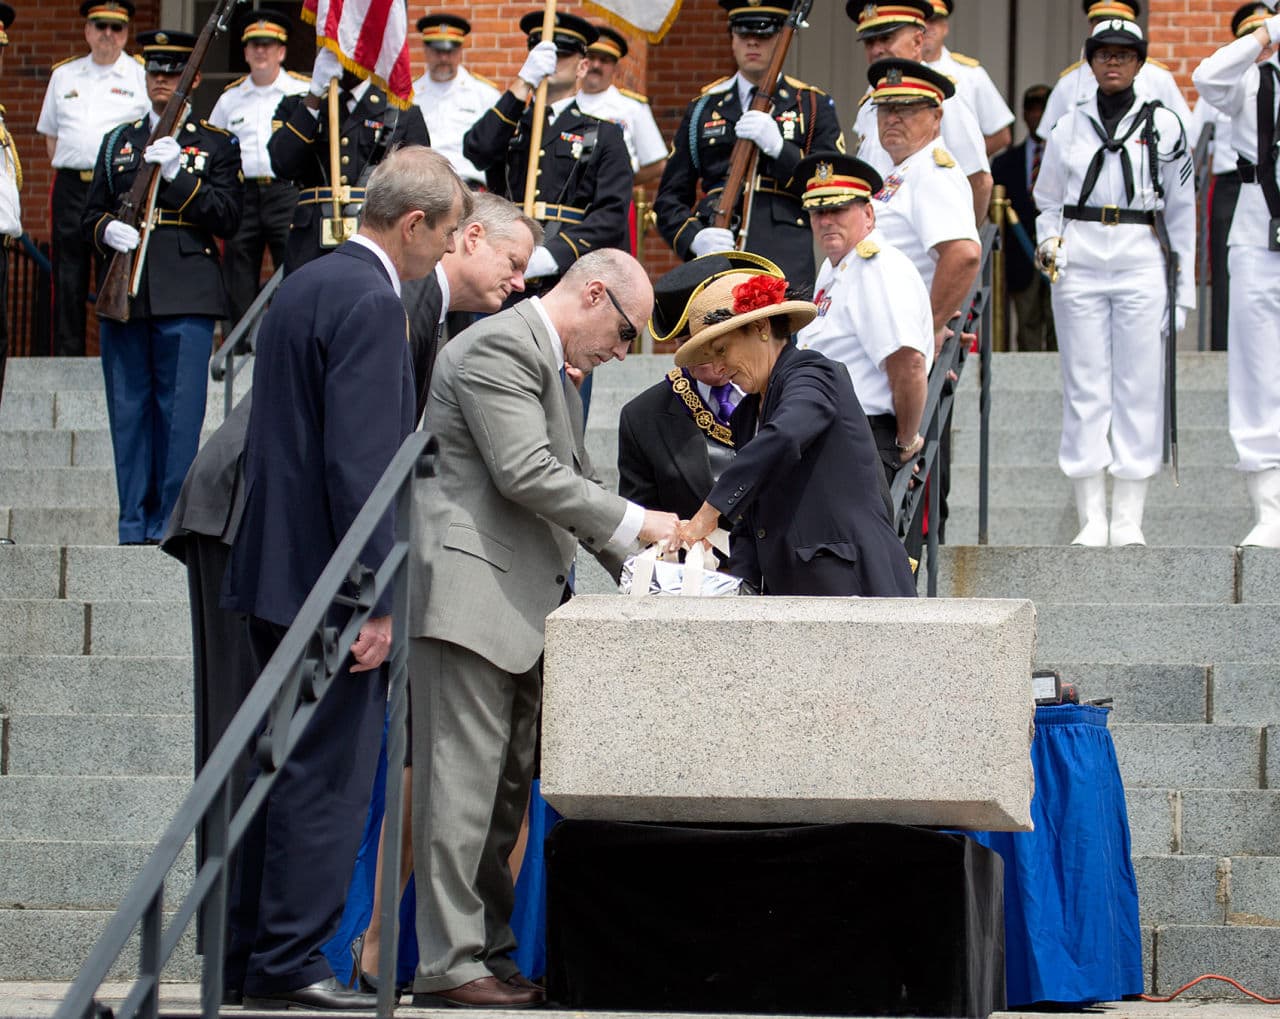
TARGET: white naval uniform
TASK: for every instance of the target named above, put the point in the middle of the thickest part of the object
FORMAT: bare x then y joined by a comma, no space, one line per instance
870,306
247,111
1077,85
1224,153
639,129
10,206
1229,80
450,108
961,136
1109,306
926,200
84,101
976,90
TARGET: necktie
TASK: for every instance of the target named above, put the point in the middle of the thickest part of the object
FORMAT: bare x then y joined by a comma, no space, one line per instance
722,395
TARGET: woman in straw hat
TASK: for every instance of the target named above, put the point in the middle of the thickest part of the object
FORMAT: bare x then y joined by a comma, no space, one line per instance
805,490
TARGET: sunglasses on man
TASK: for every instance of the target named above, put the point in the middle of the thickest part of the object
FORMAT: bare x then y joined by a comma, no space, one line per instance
109,26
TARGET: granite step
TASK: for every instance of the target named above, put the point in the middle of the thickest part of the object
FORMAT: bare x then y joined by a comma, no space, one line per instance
91,573
1204,822
52,944
95,684
1073,632
1202,524
1248,954
89,447
62,525
44,874
122,808
1200,890
1206,446
63,627
101,745
60,486
1032,408
1195,756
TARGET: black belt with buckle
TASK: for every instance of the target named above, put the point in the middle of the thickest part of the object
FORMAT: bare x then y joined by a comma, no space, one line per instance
1109,215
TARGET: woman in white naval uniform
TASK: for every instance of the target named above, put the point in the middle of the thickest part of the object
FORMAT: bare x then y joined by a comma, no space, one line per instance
1243,81
1108,167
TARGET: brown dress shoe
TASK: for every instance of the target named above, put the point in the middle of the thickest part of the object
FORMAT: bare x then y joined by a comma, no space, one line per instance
520,980
487,992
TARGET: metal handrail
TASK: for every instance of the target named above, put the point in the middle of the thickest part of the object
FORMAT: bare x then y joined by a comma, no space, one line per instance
943,379
224,365
1202,157
284,697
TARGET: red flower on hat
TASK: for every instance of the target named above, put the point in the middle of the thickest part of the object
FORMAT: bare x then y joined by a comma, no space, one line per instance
758,292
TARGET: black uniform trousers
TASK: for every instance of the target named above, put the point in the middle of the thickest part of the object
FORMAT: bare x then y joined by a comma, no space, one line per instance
264,225
4,312
297,853
70,254
1226,191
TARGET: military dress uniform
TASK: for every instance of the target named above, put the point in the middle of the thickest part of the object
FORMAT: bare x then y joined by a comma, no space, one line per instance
450,108
82,103
156,365
699,162
10,205
247,110
1249,93
961,136
631,112
976,90
299,150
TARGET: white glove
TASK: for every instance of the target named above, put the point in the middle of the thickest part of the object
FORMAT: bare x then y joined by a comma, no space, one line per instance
1051,253
326,68
166,153
759,127
541,263
539,64
120,237
1179,319
1273,27
711,238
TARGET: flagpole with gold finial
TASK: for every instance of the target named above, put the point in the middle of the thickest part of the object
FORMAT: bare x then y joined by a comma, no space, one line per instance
539,117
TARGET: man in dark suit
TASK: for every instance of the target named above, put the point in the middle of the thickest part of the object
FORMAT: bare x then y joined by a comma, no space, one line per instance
334,400
370,127
1016,168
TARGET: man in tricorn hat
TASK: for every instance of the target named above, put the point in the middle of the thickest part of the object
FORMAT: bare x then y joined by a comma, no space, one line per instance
247,108
451,96
155,365
803,120
583,170
87,96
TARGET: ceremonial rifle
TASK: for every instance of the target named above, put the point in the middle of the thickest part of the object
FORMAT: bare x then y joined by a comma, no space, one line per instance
742,163
1161,229
539,117
125,270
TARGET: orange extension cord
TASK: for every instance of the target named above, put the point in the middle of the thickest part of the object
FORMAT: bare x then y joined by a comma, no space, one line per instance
1212,976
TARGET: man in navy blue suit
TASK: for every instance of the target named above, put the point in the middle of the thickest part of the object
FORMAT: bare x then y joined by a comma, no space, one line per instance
333,399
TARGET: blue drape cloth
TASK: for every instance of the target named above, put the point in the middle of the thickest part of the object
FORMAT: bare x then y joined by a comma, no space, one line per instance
1071,896
528,920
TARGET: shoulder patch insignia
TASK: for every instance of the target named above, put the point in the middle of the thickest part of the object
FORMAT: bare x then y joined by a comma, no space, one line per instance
1067,70
840,146
139,58
960,58
797,83
867,248
213,127
230,85
65,60
483,80
942,157
299,76
639,97
863,101
719,85
1156,63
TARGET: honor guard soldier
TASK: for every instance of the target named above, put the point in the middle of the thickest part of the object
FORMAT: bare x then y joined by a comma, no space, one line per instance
974,86
369,126
247,108
10,209
583,172
451,97
1243,81
87,96
803,120
155,365
897,30
600,97
1076,84
1115,187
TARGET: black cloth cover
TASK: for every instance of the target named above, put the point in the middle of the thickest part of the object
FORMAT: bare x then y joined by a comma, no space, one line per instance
852,919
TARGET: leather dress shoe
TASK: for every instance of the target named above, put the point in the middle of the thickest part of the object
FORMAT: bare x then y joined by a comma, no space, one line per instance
487,992
323,994
520,980
362,979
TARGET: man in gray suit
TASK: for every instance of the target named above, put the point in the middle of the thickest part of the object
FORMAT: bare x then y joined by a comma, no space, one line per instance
495,536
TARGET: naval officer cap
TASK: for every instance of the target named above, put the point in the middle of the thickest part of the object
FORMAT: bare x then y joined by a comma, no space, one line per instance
894,80
609,43
941,8
443,32
1108,10
572,34
674,290
165,52
265,26
7,14
1116,32
1247,18
832,180
874,19
755,17
107,10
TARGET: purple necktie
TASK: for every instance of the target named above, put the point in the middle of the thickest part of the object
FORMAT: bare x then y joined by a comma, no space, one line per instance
723,397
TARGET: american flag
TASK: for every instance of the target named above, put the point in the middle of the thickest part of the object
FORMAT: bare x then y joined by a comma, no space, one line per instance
652,17
370,37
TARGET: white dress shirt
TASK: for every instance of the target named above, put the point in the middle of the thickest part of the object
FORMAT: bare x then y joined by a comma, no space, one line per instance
10,206
450,108
639,129
977,91
247,111
84,101
383,257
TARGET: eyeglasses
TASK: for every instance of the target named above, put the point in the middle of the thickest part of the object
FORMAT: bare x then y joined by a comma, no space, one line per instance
1115,57
626,333
109,26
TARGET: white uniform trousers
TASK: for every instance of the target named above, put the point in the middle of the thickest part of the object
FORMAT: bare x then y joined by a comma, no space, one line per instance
1110,325
1253,357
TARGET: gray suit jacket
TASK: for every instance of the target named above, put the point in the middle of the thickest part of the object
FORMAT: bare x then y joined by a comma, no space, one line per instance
496,530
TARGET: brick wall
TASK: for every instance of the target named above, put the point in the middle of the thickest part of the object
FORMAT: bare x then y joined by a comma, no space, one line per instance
1184,32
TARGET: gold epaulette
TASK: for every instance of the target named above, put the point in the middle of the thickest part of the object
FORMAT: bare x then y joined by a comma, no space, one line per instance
867,249
942,157
485,81
231,85
66,60
639,97
715,86
299,75
142,61
214,128
797,83
1156,63
1068,70
960,58
865,96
